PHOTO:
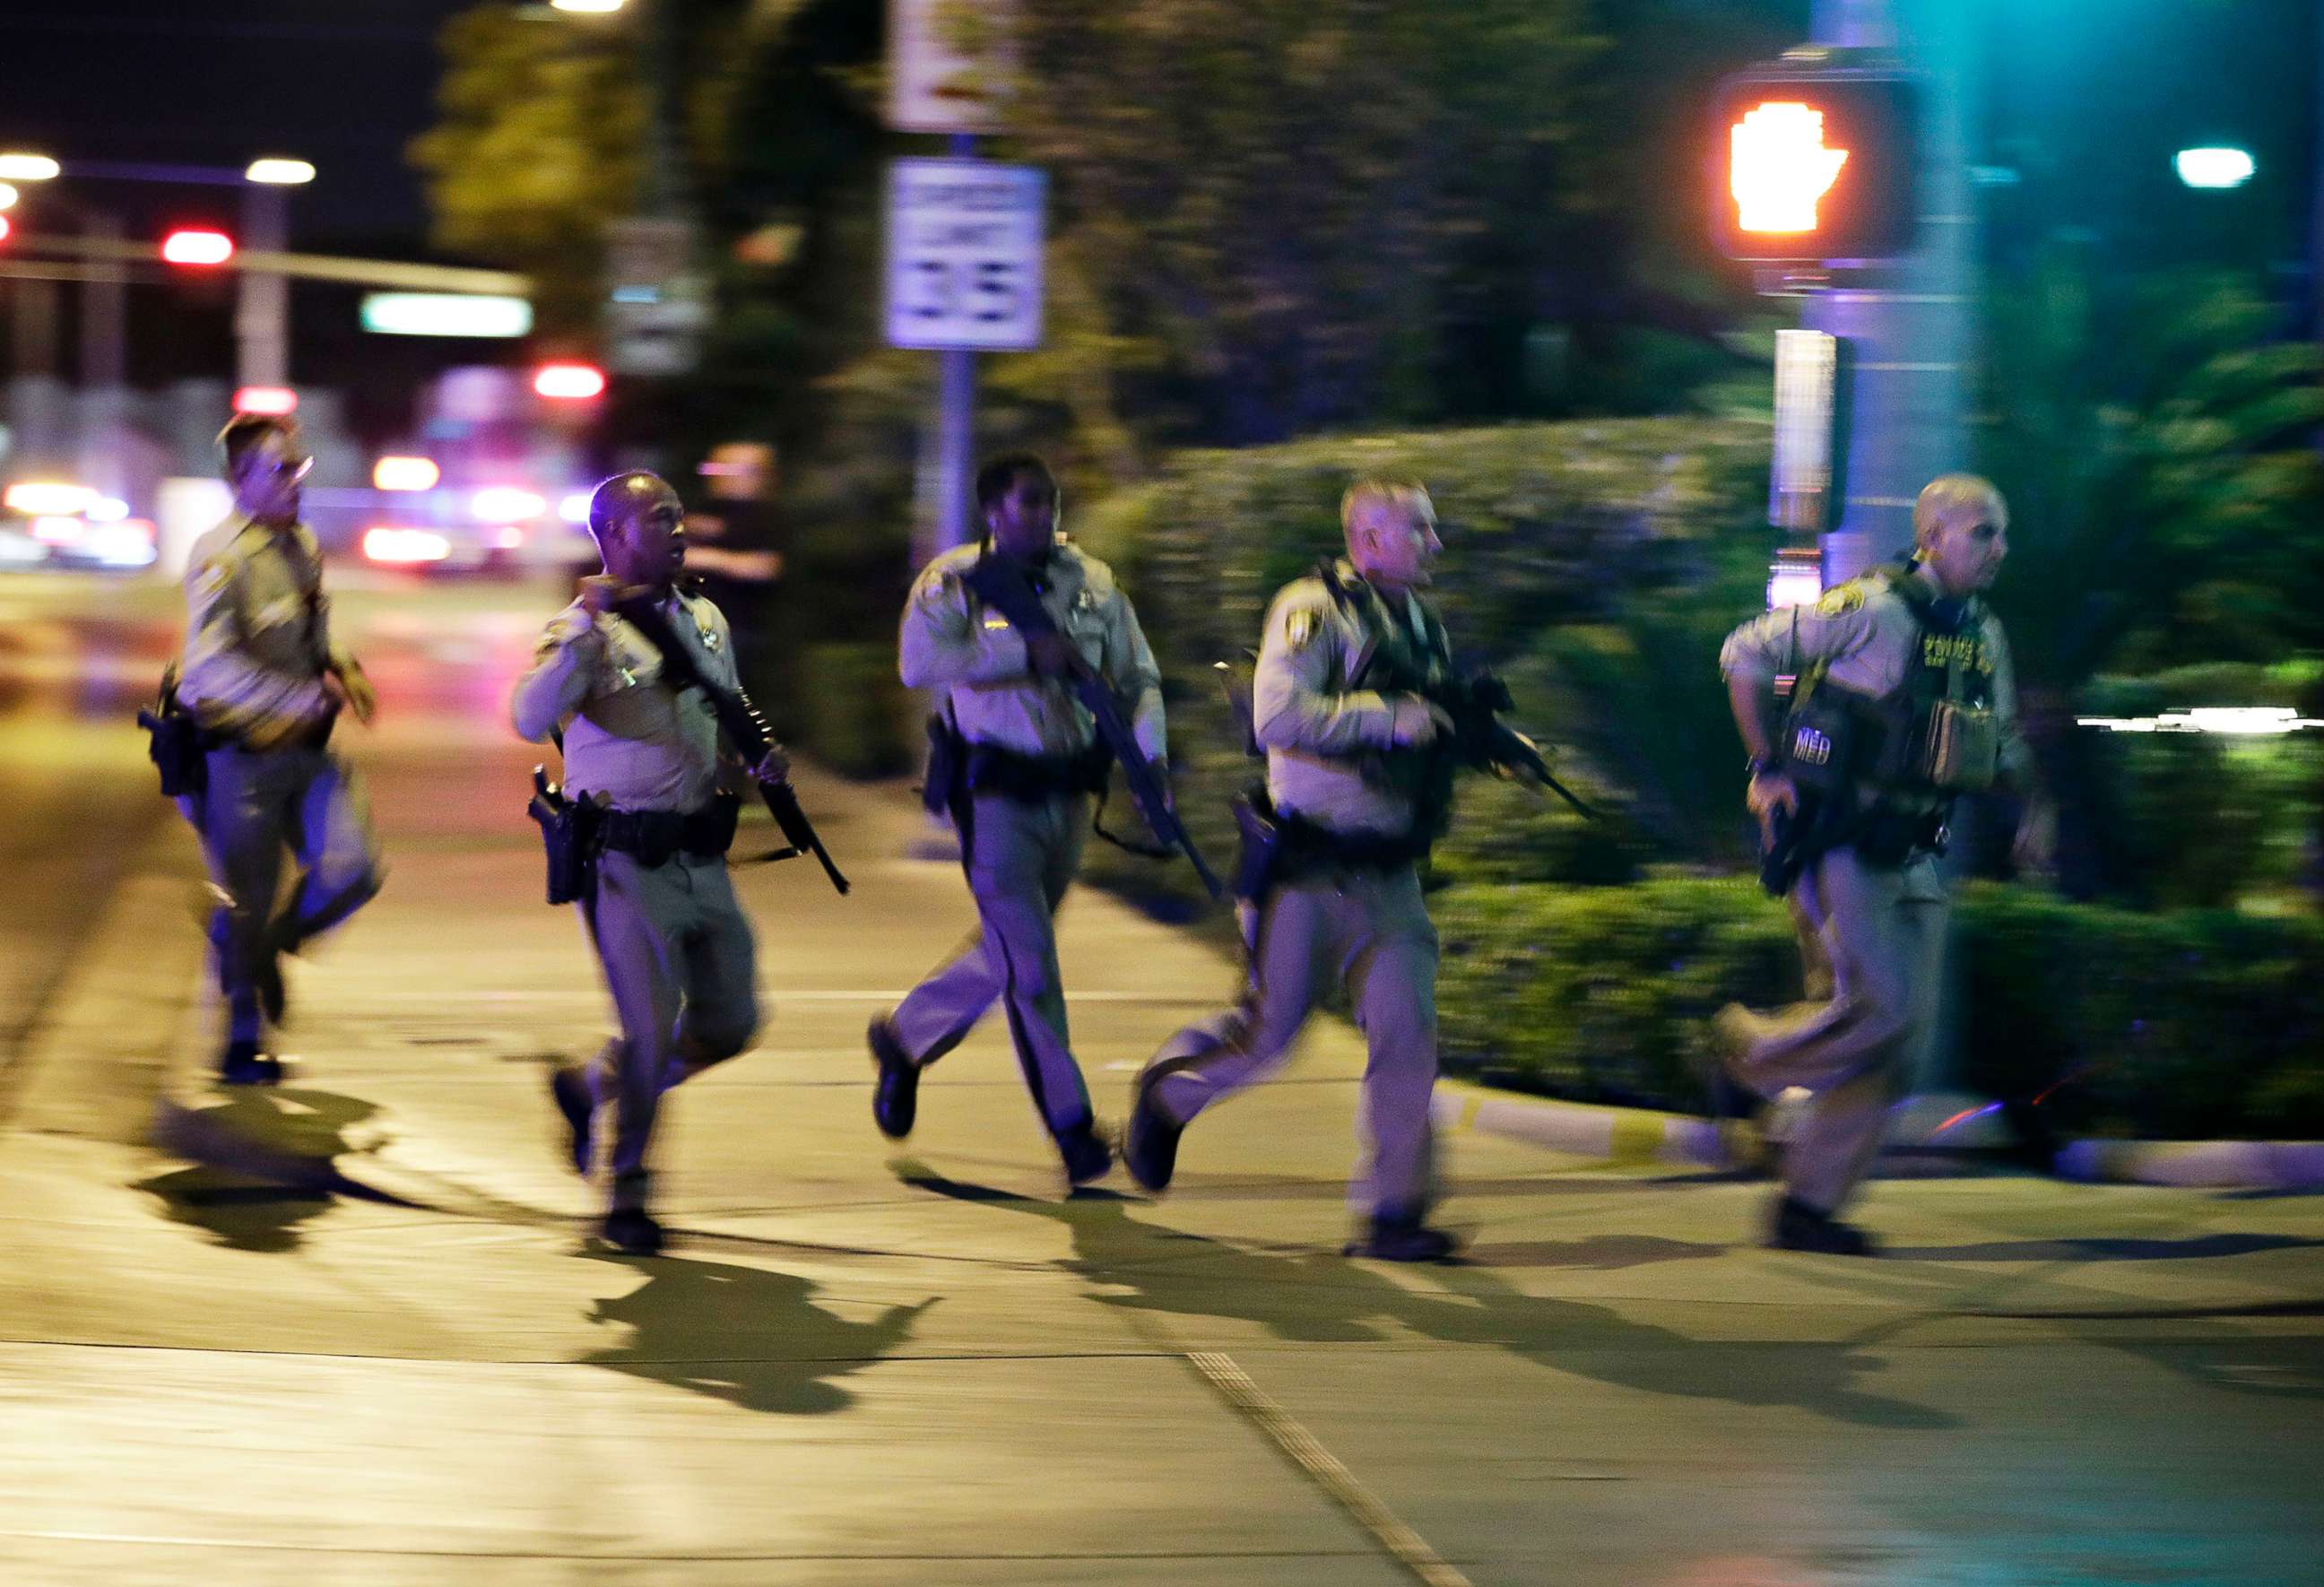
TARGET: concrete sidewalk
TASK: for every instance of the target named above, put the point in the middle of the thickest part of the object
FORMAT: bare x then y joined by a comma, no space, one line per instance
861,1364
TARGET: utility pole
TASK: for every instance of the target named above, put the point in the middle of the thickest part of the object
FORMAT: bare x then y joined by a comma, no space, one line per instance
1909,329
262,309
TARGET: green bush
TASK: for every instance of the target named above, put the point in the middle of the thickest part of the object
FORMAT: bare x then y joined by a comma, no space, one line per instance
2204,820
856,711
2190,1024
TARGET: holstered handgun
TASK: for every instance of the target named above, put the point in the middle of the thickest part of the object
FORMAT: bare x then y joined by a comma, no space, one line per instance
567,839
1262,851
176,747
947,770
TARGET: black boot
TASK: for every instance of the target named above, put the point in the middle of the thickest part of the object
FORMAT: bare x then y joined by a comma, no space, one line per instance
242,1064
1394,1237
632,1231
896,1093
1087,1155
569,1088
1797,1226
1150,1143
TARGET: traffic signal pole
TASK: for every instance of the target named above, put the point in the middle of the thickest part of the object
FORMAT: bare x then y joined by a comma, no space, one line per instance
1907,329
261,310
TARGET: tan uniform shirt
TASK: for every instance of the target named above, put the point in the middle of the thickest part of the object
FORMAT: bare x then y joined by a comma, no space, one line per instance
949,640
1871,642
628,735
1312,724
257,631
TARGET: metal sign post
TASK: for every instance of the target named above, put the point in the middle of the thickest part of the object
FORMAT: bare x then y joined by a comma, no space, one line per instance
964,276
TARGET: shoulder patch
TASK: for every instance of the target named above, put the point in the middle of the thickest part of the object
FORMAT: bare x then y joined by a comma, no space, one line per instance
1840,601
1301,627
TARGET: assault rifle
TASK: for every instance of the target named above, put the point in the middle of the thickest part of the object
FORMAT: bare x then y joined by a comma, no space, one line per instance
1002,585
1482,741
745,728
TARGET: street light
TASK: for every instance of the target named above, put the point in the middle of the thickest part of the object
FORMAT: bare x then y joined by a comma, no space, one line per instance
593,7
569,383
2216,167
8,197
20,167
196,246
276,172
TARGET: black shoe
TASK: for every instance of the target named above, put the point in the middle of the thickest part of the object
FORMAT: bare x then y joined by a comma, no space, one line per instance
896,1094
1403,1239
242,1064
1797,1226
569,1088
273,1001
1150,1143
1086,1154
632,1231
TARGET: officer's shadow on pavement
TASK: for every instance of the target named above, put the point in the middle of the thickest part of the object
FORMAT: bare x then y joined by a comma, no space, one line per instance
1313,1297
262,1163
747,1336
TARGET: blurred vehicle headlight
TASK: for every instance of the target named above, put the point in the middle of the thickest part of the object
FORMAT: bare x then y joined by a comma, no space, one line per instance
404,547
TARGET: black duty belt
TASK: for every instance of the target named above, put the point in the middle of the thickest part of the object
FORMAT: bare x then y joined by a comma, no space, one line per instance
992,770
653,837
1308,848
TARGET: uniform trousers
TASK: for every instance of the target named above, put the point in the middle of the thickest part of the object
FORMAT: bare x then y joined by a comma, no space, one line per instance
682,969
1366,928
257,804
1020,857
1872,945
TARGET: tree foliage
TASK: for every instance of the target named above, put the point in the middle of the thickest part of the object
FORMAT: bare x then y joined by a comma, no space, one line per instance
1294,196
538,141
2156,438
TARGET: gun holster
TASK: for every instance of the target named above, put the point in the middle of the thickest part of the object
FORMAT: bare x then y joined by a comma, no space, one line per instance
568,838
1260,854
179,749
947,777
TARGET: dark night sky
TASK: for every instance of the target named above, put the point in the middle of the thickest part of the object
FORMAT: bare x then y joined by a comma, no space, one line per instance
346,83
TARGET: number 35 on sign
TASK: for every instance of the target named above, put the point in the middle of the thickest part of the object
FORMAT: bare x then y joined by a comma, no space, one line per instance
965,254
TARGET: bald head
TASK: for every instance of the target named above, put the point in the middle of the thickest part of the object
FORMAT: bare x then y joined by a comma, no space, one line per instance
1390,525
640,528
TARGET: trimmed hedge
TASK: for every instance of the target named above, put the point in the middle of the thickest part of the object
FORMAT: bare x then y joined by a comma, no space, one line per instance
1552,530
2191,1024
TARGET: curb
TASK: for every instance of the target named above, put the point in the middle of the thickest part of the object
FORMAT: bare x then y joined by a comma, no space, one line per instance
1639,1135
2240,1165
1617,1135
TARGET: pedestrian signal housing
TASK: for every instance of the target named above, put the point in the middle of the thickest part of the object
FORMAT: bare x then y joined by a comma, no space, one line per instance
1815,157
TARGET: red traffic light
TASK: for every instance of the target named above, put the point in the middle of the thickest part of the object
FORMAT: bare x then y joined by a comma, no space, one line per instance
569,383
277,401
4,228
1816,159
197,246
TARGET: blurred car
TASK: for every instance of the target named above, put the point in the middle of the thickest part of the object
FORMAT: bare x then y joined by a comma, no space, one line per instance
51,523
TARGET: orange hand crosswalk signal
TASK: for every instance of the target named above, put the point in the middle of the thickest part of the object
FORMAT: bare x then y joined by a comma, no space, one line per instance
1779,167
1814,163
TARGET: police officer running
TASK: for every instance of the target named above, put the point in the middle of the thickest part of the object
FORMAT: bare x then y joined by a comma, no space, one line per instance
1904,699
1023,760
264,681
1339,706
641,759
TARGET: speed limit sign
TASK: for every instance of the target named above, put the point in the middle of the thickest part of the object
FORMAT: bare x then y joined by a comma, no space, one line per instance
965,254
